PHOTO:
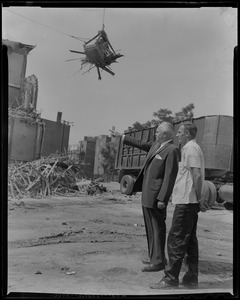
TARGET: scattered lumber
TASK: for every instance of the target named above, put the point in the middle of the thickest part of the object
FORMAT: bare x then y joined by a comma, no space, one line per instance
44,177
94,188
55,175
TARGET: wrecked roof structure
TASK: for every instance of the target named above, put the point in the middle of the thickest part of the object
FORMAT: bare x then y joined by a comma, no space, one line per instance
18,47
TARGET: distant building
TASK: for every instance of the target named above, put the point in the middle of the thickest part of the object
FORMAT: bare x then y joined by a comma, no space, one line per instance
74,152
88,153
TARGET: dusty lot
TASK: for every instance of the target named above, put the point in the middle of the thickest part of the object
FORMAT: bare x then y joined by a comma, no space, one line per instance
93,245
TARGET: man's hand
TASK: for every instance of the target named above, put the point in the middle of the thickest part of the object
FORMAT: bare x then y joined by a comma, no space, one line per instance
115,133
203,203
160,205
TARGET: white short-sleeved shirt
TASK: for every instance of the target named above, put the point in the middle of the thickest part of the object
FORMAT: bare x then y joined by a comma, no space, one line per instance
183,191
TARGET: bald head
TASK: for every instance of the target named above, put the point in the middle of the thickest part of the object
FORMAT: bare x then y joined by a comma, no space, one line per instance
164,132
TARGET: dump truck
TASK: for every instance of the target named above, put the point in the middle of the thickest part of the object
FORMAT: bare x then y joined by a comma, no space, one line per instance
215,137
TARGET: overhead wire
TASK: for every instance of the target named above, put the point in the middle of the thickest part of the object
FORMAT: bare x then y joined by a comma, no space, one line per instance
75,37
57,30
103,25
62,32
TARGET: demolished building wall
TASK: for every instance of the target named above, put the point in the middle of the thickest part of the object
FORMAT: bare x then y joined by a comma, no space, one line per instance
56,136
25,128
88,147
29,92
25,134
17,65
29,135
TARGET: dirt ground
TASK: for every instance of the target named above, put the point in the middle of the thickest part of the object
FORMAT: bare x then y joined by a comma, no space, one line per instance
93,245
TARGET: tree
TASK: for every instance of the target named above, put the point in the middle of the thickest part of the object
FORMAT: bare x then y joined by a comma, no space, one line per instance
185,113
164,114
138,126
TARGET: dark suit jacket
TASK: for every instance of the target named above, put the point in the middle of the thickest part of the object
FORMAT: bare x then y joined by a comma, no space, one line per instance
157,176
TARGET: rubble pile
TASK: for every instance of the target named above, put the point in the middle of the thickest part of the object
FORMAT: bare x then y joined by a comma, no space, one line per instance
50,176
44,177
94,188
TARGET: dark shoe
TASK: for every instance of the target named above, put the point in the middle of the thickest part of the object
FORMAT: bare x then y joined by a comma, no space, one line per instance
146,261
189,283
166,282
153,268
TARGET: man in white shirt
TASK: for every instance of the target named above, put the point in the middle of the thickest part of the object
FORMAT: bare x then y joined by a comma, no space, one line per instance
188,200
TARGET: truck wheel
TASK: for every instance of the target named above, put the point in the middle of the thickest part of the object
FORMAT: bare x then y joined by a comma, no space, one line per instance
225,193
126,185
219,200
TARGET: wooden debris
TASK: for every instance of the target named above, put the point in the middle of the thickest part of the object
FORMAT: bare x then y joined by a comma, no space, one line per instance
44,177
94,188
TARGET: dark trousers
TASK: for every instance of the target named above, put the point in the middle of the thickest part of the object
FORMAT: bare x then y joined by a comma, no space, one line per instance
155,225
182,240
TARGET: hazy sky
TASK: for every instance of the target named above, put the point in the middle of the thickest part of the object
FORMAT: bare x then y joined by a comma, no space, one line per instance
172,57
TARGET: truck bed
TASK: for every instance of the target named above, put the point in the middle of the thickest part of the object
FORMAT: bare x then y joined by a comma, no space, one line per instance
215,137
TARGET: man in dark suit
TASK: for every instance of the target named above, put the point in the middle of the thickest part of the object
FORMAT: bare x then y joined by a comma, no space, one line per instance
156,180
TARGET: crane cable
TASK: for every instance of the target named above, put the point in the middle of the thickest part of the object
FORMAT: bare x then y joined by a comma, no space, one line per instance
103,19
75,37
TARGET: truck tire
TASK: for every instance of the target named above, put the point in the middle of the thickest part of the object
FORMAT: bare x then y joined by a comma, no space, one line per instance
126,184
219,200
225,193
